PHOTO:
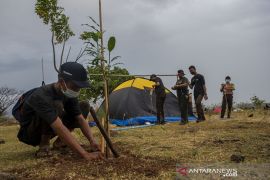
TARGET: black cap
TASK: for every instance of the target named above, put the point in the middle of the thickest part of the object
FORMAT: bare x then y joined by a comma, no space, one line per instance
227,77
76,73
153,76
181,71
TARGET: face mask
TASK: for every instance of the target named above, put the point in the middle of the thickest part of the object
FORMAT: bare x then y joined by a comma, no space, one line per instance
70,93
228,81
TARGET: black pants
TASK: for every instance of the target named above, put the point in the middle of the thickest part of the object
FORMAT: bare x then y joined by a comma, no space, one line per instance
32,132
198,101
160,100
183,105
227,100
190,109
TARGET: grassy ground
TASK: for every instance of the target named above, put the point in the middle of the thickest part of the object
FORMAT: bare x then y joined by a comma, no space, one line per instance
154,152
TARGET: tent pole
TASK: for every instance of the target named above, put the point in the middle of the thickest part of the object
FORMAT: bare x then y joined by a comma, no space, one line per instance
134,75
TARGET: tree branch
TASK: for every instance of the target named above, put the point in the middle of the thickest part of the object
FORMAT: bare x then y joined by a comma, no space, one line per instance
54,59
62,53
81,53
68,53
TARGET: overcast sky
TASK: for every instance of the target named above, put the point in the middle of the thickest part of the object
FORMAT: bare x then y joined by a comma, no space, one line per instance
219,37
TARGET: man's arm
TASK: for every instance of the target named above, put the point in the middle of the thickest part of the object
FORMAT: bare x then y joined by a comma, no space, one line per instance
86,130
156,84
204,87
68,139
205,92
222,87
181,85
178,86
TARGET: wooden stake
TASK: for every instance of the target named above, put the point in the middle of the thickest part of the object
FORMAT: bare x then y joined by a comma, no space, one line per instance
106,96
104,134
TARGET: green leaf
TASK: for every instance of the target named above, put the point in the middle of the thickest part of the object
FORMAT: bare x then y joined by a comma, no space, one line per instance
115,58
96,91
95,36
111,43
53,15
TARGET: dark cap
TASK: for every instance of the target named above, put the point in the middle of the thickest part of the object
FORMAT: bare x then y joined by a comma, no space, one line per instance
181,72
227,77
153,76
75,72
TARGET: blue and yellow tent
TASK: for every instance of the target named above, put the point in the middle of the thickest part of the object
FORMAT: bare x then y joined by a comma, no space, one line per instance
133,103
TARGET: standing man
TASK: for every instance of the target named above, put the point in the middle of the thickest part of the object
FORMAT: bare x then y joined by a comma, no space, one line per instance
200,92
54,110
227,100
160,98
181,88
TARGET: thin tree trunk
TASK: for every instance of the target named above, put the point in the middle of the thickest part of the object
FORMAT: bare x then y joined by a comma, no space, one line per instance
104,78
54,58
62,53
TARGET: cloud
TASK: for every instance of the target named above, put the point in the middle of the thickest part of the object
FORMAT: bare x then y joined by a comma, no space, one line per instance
153,36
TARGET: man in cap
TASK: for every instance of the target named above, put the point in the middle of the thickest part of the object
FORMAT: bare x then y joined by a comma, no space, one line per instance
227,99
160,98
200,91
181,88
54,110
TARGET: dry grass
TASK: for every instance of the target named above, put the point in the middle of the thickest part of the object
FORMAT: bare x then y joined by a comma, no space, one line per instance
153,152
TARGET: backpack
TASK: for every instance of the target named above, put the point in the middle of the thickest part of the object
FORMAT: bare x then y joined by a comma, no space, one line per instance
17,109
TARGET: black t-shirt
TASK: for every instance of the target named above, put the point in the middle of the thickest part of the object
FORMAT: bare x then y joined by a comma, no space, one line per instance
160,89
198,82
182,90
48,104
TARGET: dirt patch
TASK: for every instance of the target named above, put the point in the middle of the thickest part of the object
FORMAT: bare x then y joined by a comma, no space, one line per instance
240,127
2,141
64,162
7,176
219,141
222,141
237,158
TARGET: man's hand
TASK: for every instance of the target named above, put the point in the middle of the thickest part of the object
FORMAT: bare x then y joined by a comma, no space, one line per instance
93,156
64,134
95,146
